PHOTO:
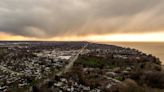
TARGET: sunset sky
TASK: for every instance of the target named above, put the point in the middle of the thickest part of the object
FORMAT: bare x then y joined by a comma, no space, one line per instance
90,20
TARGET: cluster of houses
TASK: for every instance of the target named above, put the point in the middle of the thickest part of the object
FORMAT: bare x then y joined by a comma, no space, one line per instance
95,79
20,67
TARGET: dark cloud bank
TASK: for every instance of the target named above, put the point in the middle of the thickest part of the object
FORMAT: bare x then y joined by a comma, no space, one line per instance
50,18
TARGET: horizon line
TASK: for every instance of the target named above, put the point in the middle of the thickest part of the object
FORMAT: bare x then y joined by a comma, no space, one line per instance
79,41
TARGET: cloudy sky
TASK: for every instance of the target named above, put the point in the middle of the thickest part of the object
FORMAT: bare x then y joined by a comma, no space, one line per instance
82,20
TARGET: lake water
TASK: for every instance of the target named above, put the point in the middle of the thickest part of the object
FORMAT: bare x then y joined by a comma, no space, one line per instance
154,48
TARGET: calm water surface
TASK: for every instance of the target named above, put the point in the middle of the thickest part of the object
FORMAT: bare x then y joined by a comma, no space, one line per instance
156,48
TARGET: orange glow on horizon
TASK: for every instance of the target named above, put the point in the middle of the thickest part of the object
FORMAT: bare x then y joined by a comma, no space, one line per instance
144,37
4,36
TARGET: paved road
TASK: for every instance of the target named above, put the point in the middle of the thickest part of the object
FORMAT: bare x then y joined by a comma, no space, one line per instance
10,71
71,62
13,72
66,69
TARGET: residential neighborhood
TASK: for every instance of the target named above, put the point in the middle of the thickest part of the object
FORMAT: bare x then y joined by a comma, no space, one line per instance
68,66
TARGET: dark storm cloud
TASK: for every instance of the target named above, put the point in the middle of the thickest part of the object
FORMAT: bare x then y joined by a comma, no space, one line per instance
49,18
